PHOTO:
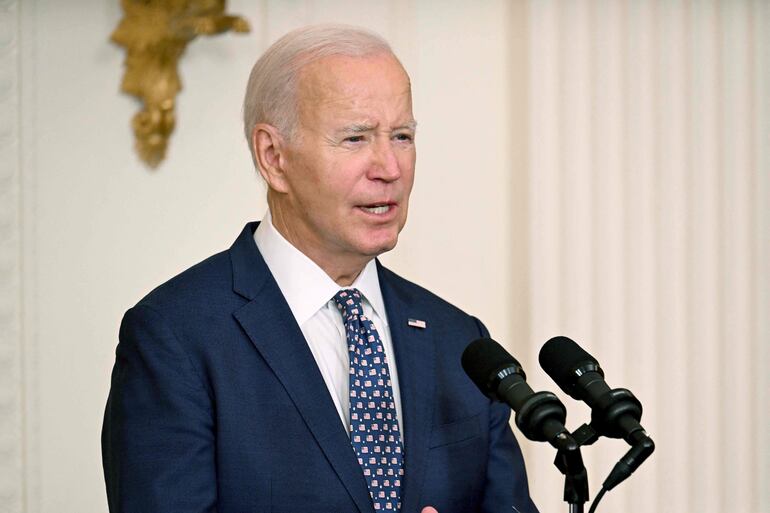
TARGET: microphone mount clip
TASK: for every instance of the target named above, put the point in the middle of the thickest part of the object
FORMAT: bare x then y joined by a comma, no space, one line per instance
617,414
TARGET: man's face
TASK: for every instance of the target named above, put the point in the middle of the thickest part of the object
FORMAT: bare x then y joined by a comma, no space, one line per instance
350,165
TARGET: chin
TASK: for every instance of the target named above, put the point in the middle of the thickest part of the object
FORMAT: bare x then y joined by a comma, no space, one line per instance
374,248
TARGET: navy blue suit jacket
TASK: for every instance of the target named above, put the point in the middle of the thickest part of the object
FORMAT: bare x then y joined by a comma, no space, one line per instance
217,405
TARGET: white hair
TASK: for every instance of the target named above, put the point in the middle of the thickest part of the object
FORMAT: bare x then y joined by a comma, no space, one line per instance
272,88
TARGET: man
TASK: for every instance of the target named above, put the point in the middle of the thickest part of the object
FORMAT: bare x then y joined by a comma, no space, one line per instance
293,372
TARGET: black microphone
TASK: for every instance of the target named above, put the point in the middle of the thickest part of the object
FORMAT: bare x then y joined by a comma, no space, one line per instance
615,413
540,416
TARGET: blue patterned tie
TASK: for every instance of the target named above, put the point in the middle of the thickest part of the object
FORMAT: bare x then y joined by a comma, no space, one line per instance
374,431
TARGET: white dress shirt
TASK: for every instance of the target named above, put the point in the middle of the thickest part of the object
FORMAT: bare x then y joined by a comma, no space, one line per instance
309,291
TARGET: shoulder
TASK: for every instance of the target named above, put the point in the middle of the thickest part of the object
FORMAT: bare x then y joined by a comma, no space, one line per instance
190,314
438,309
204,282
207,286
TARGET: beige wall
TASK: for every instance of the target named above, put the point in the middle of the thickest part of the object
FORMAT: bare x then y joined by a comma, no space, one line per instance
597,169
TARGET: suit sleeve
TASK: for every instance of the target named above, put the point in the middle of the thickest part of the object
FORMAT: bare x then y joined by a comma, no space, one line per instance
158,432
506,485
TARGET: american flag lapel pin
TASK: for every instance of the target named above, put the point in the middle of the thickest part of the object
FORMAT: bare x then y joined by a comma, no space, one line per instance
417,323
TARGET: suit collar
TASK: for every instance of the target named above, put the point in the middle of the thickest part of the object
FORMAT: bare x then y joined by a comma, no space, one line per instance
415,350
306,287
249,269
270,325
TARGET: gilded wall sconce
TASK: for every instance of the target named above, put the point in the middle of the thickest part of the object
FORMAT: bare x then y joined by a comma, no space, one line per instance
155,34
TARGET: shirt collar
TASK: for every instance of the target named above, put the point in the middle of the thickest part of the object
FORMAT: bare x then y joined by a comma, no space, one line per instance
306,287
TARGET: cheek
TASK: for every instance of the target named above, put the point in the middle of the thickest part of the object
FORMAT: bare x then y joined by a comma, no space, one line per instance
318,182
407,174
406,160
343,180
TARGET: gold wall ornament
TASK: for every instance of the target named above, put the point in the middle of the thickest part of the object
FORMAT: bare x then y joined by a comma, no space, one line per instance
155,34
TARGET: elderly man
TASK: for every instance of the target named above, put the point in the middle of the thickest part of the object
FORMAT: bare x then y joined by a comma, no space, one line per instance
292,372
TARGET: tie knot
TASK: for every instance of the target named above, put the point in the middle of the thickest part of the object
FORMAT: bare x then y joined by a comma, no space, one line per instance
349,302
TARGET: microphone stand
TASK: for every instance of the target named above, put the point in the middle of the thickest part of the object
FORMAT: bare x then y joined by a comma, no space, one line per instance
541,418
569,461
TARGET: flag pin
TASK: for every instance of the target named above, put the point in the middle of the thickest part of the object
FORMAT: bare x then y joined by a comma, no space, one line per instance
417,323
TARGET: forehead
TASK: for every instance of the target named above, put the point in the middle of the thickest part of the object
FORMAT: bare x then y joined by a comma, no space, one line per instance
340,84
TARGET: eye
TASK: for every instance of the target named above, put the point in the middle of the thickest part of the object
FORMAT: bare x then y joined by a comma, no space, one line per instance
355,139
404,137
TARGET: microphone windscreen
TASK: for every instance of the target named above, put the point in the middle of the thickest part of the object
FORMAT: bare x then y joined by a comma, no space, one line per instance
560,356
483,359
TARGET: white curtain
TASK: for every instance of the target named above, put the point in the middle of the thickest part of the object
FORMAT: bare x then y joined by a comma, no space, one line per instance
648,163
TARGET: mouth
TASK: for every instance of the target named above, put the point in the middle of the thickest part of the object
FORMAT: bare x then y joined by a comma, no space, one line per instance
378,208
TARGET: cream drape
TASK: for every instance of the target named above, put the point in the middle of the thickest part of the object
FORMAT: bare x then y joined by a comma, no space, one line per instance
648,151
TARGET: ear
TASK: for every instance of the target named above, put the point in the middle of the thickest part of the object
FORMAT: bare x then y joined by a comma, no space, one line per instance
269,151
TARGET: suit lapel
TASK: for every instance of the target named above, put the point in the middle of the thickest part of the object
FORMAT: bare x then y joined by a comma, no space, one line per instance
271,327
415,360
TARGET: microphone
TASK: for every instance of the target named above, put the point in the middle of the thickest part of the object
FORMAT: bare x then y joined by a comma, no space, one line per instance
615,413
540,416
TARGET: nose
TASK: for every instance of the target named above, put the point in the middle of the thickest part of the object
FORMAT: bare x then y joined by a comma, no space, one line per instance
385,164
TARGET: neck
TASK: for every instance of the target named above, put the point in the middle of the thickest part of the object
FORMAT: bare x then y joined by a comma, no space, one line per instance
343,271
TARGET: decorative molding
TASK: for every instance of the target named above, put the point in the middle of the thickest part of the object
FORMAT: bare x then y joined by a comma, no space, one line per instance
11,377
155,34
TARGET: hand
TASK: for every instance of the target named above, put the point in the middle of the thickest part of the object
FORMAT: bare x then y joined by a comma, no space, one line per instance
429,509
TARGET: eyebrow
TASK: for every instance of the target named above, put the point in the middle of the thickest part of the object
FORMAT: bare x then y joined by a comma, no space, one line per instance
411,125
358,128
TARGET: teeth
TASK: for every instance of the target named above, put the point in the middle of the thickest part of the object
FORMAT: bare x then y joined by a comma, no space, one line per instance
377,210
